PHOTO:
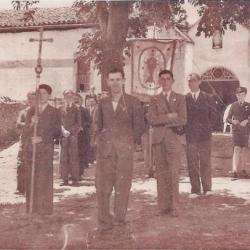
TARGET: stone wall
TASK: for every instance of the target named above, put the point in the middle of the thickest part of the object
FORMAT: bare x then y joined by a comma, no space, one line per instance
221,156
8,132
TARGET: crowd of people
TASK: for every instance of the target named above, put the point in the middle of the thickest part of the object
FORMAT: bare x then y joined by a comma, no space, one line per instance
107,131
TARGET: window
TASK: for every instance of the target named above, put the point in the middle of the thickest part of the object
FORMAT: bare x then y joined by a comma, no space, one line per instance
83,76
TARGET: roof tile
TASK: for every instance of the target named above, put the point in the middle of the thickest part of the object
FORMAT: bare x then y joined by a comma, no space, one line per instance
41,16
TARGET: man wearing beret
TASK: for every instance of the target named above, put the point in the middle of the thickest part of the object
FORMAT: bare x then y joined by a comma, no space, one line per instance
48,122
239,117
71,124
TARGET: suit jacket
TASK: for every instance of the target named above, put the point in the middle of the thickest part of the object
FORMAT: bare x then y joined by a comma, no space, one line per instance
158,115
85,119
200,115
71,119
121,128
239,112
48,127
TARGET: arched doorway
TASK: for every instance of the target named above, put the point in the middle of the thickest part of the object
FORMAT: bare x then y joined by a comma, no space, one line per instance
221,84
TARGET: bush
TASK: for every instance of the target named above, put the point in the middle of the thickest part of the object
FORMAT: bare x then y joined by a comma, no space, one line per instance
8,132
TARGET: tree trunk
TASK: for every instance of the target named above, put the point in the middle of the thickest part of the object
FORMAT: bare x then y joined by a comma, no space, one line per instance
114,38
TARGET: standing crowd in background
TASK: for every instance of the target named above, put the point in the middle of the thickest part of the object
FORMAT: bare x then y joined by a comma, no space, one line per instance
107,129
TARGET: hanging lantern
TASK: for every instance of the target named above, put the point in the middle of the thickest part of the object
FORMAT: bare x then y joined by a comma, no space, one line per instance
217,39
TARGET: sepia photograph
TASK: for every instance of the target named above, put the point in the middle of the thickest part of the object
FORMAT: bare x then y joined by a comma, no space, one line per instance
124,124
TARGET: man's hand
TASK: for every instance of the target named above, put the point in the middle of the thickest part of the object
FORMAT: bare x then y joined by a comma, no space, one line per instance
36,139
65,132
244,123
235,122
172,115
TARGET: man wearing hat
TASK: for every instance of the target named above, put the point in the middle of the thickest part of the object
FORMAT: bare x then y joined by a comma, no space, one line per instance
48,122
239,117
71,124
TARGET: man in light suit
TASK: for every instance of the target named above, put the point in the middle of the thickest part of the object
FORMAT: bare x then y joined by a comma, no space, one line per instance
167,116
120,124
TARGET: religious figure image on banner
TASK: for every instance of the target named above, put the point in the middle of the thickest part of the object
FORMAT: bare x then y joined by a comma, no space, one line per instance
151,61
149,58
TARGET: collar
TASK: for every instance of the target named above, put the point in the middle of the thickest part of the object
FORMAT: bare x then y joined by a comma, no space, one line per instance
195,93
68,105
167,93
43,107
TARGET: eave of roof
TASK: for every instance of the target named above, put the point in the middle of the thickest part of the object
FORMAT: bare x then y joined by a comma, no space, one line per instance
50,18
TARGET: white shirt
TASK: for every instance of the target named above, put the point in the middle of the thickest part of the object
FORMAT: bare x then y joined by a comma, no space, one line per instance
114,104
167,94
42,107
195,95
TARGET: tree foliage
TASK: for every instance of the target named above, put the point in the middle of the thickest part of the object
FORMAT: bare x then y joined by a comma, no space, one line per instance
119,20
221,15
23,4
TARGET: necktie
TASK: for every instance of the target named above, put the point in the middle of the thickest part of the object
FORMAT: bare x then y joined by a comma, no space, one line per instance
168,97
194,96
40,109
67,108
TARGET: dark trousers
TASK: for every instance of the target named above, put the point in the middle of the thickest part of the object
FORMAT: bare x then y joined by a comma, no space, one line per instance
113,171
69,158
20,171
83,150
199,165
167,159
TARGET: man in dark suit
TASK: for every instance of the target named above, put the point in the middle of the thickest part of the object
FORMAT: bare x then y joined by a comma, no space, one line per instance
83,135
71,124
200,110
167,115
120,125
92,106
239,117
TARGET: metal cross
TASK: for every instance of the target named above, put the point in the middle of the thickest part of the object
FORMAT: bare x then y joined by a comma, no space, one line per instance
39,68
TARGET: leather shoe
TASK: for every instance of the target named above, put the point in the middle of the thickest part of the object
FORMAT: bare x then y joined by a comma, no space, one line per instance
163,212
65,183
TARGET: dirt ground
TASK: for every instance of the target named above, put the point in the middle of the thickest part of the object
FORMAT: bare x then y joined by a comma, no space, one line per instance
219,221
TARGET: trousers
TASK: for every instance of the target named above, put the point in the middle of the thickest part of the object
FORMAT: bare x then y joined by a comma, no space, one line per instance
113,172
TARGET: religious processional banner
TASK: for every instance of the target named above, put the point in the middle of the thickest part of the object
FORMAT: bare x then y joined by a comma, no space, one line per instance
149,57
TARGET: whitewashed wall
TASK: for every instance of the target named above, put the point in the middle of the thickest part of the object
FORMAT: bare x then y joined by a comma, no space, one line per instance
18,59
234,55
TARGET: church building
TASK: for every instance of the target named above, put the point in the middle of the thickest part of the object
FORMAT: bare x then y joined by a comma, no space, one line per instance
222,61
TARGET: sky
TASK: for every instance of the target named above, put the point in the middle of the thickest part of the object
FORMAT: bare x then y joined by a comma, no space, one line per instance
6,4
